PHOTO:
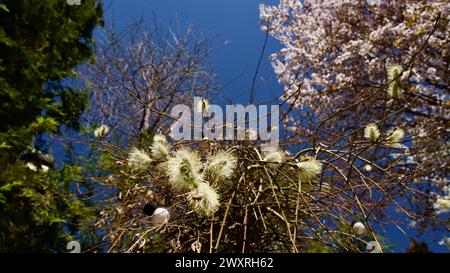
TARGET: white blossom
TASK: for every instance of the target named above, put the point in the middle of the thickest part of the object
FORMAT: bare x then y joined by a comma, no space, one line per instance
445,242
371,132
309,168
274,155
101,131
442,204
44,168
221,165
183,169
395,77
395,136
31,166
202,105
160,148
138,159
204,199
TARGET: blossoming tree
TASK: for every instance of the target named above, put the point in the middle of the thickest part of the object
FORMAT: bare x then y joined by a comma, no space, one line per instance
365,111
385,64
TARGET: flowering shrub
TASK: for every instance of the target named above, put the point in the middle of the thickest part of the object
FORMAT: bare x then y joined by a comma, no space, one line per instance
211,191
378,65
365,143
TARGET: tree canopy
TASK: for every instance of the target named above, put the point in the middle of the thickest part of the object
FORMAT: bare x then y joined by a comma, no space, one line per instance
41,42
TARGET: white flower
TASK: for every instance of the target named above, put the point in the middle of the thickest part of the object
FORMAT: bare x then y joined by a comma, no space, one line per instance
264,14
274,155
278,67
394,90
395,80
202,105
442,205
204,200
359,228
309,169
371,132
184,170
445,241
393,72
31,166
160,147
101,131
160,138
44,168
395,137
221,164
368,167
138,159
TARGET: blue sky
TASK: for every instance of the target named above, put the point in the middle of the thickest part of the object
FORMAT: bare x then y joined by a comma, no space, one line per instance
234,27
236,24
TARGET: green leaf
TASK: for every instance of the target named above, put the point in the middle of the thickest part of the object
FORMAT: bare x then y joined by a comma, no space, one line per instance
3,7
48,123
57,220
9,186
5,145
